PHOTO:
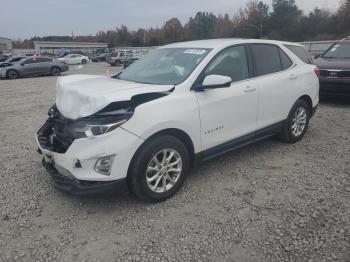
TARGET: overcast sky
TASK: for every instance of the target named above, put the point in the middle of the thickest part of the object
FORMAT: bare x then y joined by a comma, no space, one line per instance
26,18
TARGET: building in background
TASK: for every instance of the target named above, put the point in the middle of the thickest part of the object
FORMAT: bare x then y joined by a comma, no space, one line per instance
5,45
55,47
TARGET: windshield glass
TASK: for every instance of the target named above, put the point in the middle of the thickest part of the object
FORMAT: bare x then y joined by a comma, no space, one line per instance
164,66
338,51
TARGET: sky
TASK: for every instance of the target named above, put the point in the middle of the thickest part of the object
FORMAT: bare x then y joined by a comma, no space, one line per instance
24,19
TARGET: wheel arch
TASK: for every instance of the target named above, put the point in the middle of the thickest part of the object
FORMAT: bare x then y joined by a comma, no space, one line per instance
175,132
13,69
308,100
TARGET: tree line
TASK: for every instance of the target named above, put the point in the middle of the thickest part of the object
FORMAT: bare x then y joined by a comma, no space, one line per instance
284,21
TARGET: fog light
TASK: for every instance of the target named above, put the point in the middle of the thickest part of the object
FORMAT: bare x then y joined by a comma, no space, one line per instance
104,164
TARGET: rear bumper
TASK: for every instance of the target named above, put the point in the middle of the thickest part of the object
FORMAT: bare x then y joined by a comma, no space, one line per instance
71,185
335,87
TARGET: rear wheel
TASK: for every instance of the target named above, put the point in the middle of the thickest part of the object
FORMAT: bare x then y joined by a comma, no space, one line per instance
159,168
12,74
297,122
55,71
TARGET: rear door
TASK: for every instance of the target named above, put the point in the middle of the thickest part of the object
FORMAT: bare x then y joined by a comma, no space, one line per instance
274,71
43,65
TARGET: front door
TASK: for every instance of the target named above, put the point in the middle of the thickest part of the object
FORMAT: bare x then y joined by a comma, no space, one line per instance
231,112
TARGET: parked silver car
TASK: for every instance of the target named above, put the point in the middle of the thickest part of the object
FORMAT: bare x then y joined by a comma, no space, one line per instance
32,66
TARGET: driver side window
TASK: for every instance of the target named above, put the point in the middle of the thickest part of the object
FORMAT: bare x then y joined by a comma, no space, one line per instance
231,62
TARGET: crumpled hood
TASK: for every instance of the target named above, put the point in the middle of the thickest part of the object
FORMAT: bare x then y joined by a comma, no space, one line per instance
84,95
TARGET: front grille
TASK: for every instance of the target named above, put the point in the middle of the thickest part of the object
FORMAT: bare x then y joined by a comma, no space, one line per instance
335,73
54,135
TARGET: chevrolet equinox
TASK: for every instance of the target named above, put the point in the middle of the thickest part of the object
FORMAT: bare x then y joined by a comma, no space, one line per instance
142,129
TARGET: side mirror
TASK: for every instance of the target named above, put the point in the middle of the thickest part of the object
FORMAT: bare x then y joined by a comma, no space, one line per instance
216,81
317,56
22,64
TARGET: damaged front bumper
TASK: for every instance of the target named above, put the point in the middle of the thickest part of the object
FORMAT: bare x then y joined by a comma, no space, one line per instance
71,162
64,181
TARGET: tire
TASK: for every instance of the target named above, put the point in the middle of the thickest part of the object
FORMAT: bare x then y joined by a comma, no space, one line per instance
55,71
12,74
83,62
297,122
144,166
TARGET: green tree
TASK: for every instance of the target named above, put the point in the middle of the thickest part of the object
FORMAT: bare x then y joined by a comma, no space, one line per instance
223,27
201,26
318,25
342,19
285,21
173,31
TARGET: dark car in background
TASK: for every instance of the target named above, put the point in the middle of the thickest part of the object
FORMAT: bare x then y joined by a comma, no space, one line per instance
334,65
100,57
4,57
33,66
11,60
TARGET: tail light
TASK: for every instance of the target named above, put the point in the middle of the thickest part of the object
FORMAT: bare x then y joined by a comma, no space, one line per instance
318,72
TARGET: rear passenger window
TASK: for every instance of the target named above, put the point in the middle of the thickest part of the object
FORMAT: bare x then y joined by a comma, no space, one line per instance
43,59
285,60
267,59
301,52
231,62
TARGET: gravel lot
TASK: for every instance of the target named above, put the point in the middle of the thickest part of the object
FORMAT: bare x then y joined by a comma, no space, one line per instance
267,202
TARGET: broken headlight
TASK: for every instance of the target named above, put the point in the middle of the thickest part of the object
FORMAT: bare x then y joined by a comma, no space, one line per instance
91,129
100,123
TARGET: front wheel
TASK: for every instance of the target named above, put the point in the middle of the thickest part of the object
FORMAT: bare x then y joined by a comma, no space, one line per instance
12,74
159,168
297,122
84,62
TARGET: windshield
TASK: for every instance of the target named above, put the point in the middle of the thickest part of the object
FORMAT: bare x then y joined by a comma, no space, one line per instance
164,66
338,51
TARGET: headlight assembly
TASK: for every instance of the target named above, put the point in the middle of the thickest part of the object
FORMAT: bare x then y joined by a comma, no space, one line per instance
90,130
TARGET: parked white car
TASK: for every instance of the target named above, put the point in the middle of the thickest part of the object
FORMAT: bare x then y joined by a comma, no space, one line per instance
74,59
181,104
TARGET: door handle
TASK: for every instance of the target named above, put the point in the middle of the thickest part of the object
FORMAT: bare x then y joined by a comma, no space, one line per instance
292,77
249,89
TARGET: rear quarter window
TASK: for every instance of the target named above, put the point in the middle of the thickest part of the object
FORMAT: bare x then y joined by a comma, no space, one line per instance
301,52
285,60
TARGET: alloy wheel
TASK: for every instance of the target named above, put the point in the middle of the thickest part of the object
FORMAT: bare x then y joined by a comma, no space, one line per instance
299,121
12,74
164,170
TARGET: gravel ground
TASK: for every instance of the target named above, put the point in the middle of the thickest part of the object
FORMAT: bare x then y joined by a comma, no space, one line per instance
267,202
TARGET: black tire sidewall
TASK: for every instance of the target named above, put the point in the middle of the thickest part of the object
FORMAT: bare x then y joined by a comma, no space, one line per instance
53,71
137,172
83,62
288,134
11,70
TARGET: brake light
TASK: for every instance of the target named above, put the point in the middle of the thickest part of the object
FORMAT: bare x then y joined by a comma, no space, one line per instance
318,72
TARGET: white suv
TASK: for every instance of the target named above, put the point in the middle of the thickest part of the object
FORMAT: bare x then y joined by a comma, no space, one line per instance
184,103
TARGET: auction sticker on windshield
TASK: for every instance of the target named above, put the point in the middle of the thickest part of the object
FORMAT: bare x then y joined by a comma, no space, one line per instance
195,51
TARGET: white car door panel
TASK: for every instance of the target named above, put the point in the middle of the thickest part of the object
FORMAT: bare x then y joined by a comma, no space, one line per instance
275,96
231,112
227,113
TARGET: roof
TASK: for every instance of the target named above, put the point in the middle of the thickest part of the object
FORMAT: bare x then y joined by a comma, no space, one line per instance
219,43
